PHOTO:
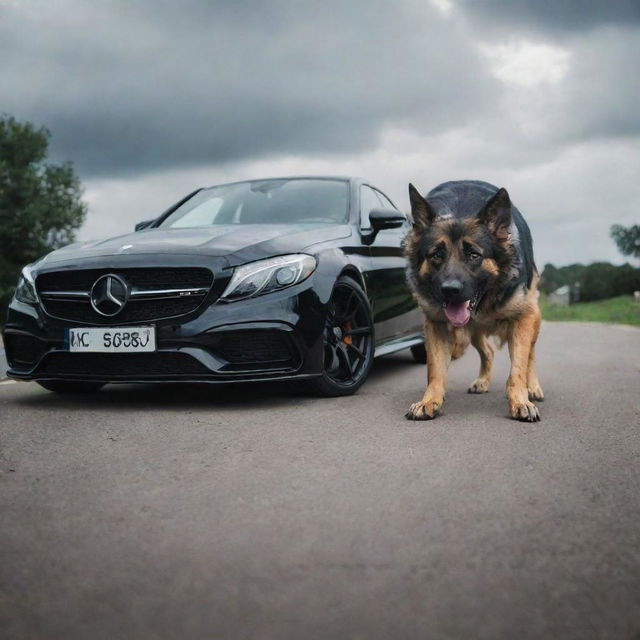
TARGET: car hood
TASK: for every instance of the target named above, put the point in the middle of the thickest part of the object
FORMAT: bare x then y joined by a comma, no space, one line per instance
237,243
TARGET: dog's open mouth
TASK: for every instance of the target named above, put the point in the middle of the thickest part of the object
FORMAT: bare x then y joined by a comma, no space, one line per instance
459,313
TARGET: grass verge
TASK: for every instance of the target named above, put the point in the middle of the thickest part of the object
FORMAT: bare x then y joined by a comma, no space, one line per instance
620,310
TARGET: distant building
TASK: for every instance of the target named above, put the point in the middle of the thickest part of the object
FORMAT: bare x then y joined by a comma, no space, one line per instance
561,296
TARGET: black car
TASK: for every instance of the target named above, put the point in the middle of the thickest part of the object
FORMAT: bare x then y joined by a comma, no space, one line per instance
300,277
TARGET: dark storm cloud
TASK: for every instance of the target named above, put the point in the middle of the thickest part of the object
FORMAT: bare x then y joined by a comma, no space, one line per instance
599,95
603,91
554,15
128,87
596,98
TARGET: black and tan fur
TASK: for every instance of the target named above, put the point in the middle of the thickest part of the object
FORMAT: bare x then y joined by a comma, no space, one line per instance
470,251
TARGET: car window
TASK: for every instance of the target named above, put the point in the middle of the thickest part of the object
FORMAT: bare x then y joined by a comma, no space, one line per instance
386,203
202,215
368,200
278,201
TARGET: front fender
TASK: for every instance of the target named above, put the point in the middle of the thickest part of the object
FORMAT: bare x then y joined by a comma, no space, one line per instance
336,262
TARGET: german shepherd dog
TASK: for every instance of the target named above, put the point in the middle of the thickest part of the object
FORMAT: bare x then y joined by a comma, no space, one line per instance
471,268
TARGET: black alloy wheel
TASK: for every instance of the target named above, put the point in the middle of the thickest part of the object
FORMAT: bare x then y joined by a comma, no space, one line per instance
348,340
70,386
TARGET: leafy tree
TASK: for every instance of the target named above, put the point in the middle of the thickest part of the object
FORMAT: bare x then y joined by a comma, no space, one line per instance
553,278
627,239
40,203
595,281
549,278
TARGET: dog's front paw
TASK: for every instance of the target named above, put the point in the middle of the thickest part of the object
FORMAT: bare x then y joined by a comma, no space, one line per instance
525,411
479,385
536,393
424,410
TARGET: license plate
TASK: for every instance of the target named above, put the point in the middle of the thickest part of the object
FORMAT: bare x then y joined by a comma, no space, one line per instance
120,340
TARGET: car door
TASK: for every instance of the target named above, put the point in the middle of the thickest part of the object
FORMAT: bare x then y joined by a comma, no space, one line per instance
395,311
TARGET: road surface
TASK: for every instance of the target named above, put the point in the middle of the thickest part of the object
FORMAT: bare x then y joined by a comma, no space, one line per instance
3,361
259,512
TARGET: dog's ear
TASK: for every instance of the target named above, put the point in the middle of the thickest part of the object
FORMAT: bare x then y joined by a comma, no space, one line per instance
496,214
421,212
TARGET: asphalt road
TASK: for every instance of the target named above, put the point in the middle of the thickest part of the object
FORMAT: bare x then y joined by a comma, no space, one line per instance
3,361
259,512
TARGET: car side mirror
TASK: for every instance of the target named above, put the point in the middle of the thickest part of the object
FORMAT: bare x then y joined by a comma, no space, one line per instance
383,219
143,225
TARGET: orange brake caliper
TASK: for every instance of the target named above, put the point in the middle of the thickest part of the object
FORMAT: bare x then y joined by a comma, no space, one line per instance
347,339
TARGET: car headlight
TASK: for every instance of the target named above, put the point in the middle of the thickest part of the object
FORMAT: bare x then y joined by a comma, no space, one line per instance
265,276
26,289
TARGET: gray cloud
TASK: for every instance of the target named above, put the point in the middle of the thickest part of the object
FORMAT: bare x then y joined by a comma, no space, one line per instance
603,92
133,87
553,15
599,96
152,98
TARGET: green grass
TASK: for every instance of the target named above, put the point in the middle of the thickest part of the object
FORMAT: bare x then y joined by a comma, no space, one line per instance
620,310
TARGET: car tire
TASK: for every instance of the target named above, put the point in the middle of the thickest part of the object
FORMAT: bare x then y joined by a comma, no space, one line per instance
70,386
348,341
419,353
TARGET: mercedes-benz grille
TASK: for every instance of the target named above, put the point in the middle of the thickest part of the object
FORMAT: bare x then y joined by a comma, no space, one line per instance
130,295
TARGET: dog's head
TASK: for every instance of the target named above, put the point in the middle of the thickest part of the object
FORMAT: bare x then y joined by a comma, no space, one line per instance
454,261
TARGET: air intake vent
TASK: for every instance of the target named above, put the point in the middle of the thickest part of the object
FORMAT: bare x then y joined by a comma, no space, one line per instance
114,366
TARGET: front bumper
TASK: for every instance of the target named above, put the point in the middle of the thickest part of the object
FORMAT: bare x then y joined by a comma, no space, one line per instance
276,336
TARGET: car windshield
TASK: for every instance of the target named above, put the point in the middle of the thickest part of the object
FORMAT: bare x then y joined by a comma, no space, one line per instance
300,200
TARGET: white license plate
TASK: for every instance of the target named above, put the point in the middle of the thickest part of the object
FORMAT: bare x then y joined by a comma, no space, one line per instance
112,340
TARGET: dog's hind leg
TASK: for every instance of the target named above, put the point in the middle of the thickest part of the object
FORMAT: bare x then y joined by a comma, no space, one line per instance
533,384
480,341
438,342
459,343
521,339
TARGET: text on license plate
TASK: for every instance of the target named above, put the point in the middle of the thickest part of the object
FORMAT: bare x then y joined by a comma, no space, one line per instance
120,340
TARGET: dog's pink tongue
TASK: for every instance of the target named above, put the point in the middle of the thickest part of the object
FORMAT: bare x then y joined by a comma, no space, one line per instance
458,313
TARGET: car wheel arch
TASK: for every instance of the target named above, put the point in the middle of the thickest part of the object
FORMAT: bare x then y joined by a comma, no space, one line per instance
332,265
355,274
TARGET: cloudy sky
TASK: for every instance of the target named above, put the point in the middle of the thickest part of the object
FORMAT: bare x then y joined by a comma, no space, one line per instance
150,99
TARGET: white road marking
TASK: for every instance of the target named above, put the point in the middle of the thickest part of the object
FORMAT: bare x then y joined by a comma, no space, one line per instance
8,382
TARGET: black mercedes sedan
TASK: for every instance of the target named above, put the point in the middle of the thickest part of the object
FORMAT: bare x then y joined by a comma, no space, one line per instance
284,278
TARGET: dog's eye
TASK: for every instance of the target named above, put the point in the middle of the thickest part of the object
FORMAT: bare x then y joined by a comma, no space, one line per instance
474,255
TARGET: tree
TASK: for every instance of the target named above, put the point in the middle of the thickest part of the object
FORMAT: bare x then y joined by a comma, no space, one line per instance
553,277
40,203
595,281
627,239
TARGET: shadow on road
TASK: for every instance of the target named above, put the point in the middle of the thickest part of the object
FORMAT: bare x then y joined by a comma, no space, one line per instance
240,396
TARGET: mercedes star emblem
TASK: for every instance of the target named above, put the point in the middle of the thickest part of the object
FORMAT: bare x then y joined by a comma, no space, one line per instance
109,294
